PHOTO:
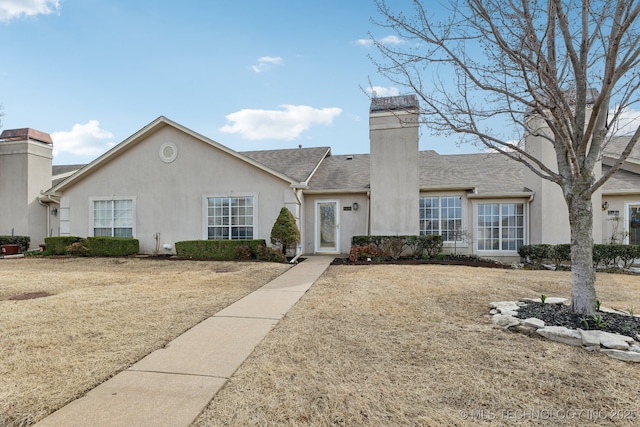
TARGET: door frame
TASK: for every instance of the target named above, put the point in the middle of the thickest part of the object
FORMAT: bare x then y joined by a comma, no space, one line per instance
318,224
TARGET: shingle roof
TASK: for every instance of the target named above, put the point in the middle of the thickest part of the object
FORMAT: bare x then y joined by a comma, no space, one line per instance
615,146
489,173
622,181
60,172
296,163
342,172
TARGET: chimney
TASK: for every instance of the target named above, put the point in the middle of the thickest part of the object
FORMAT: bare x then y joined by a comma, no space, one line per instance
25,171
395,187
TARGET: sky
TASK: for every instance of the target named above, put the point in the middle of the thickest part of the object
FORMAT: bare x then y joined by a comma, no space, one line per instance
249,74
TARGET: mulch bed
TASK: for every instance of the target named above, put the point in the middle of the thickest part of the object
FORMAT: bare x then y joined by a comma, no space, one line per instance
457,260
561,315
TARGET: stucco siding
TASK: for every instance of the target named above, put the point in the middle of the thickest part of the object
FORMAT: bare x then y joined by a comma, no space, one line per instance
352,222
170,198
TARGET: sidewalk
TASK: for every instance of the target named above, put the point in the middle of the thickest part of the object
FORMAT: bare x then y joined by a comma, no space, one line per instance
172,385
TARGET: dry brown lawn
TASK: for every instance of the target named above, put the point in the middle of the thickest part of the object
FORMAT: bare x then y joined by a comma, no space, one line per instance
414,345
103,315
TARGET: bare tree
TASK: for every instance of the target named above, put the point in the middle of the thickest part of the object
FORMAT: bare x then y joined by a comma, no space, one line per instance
571,64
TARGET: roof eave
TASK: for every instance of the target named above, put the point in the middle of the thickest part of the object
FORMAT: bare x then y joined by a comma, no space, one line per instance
337,191
502,195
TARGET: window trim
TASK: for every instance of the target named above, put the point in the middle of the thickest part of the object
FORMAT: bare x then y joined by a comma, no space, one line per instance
109,199
500,202
627,206
205,212
463,217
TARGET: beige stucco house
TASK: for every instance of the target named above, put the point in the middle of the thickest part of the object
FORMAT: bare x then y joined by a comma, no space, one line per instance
167,183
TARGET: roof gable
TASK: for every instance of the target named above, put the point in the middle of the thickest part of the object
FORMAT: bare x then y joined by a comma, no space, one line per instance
297,163
144,133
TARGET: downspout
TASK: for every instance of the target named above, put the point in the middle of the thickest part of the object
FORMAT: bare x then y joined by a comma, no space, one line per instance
533,195
368,220
296,193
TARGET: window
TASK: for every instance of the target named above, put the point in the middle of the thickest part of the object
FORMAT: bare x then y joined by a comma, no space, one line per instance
443,216
230,218
113,218
500,226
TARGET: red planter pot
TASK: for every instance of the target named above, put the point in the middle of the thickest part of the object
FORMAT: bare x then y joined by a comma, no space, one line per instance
10,249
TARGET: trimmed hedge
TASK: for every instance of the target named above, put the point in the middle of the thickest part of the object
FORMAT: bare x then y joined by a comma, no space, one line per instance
221,250
23,241
58,245
92,246
395,246
604,255
112,246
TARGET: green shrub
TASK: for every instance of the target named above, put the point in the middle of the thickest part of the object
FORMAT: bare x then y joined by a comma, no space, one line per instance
606,255
79,248
266,253
366,252
536,254
560,253
217,249
58,245
394,246
431,244
23,241
285,231
243,253
112,246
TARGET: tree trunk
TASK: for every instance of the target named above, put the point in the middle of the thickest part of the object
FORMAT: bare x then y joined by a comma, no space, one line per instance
583,274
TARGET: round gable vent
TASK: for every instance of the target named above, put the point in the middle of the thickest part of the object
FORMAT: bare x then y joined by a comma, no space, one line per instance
168,152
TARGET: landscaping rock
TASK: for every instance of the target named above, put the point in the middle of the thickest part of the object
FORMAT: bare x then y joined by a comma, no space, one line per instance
548,300
504,305
561,334
525,330
532,322
605,339
627,356
505,320
615,345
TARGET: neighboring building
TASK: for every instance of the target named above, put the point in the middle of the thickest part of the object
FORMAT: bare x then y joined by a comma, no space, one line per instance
167,183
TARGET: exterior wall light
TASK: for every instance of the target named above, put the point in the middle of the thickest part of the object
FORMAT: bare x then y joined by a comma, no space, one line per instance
54,211
355,206
605,205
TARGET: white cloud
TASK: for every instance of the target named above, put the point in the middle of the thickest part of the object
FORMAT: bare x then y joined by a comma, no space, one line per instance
265,63
385,40
83,140
10,9
628,122
381,92
286,124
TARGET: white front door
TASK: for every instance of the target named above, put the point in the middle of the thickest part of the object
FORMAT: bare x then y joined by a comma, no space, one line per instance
327,226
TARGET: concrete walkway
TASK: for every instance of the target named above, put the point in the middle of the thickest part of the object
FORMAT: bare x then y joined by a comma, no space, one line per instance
171,386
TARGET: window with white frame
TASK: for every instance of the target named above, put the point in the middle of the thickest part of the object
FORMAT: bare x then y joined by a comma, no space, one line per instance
113,218
230,218
500,226
441,215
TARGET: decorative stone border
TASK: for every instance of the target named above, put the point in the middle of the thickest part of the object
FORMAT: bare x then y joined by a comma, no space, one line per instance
617,346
